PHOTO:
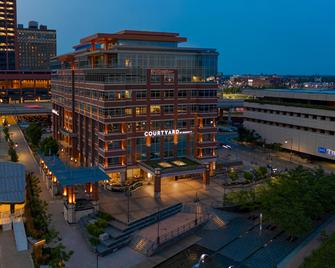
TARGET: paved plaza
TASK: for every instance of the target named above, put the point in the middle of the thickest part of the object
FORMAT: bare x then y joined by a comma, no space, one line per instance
143,203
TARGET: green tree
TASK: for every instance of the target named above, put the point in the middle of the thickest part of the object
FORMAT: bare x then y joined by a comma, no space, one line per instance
49,146
6,132
261,173
248,176
323,256
57,256
12,154
34,133
232,174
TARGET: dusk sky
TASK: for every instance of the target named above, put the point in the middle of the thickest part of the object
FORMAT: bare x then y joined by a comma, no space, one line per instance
253,37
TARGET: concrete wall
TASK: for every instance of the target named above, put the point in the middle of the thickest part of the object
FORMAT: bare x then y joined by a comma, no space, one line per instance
303,141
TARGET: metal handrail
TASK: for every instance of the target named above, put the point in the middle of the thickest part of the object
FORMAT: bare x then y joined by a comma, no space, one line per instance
176,232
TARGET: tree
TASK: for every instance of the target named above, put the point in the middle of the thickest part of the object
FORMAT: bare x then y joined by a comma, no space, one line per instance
57,256
13,155
6,132
232,174
34,133
49,146
294,201
260,173
248,176
323,256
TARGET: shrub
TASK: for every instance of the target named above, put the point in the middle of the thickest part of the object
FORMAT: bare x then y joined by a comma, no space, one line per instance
103,215
94,230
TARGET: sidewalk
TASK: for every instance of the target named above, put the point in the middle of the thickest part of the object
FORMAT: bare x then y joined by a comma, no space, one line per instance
297,257
9,256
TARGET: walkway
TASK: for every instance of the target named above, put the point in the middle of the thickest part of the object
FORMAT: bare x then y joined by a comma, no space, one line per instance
296,258
9,256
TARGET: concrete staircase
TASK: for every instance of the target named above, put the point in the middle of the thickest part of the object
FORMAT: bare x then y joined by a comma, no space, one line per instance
120,234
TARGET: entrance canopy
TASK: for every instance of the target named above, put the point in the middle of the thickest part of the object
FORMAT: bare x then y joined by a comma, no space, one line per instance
173,167
67,176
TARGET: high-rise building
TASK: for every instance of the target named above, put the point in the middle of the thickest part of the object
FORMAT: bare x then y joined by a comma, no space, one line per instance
136,103
36,45
7,34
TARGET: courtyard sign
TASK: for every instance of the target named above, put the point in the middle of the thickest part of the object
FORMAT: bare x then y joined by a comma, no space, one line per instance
165,132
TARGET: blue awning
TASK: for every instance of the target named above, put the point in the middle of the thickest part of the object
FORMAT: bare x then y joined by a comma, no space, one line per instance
12,182
67,176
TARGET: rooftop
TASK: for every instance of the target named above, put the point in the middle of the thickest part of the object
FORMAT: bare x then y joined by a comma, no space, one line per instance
134,35
296,90
12,183
67,176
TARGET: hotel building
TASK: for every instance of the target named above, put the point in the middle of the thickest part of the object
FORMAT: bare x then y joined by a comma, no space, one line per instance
135,97
7,34
301,120
36,45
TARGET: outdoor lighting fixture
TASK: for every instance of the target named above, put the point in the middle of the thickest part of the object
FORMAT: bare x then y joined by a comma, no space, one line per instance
179,163
164,164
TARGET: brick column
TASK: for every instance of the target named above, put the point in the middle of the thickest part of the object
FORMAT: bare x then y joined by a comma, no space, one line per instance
205,176
157,184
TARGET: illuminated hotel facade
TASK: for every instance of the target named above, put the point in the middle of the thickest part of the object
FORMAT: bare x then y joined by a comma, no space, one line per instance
132,97
7,34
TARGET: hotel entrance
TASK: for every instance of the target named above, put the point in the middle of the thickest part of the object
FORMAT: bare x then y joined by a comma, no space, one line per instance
175,169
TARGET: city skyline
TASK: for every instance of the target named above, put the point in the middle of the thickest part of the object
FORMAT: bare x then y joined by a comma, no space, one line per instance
252,38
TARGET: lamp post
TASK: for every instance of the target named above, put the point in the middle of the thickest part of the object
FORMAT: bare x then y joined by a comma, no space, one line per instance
158,238
128,204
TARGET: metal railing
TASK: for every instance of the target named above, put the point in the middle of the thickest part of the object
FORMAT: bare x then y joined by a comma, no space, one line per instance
169,236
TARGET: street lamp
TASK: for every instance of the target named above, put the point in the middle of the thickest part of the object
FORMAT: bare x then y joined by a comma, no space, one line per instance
128,203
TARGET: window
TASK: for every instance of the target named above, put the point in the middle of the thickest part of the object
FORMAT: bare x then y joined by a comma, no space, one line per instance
167,109
182,93
182,108
156,109
140,126
141,110
155,94
141,94
168,94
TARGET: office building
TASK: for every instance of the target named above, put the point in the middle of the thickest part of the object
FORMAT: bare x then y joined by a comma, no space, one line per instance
137,104
301,120
7,34
24,86
36,45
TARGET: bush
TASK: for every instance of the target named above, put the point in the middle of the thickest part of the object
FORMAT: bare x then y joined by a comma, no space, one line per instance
105,216
94,241
94,230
